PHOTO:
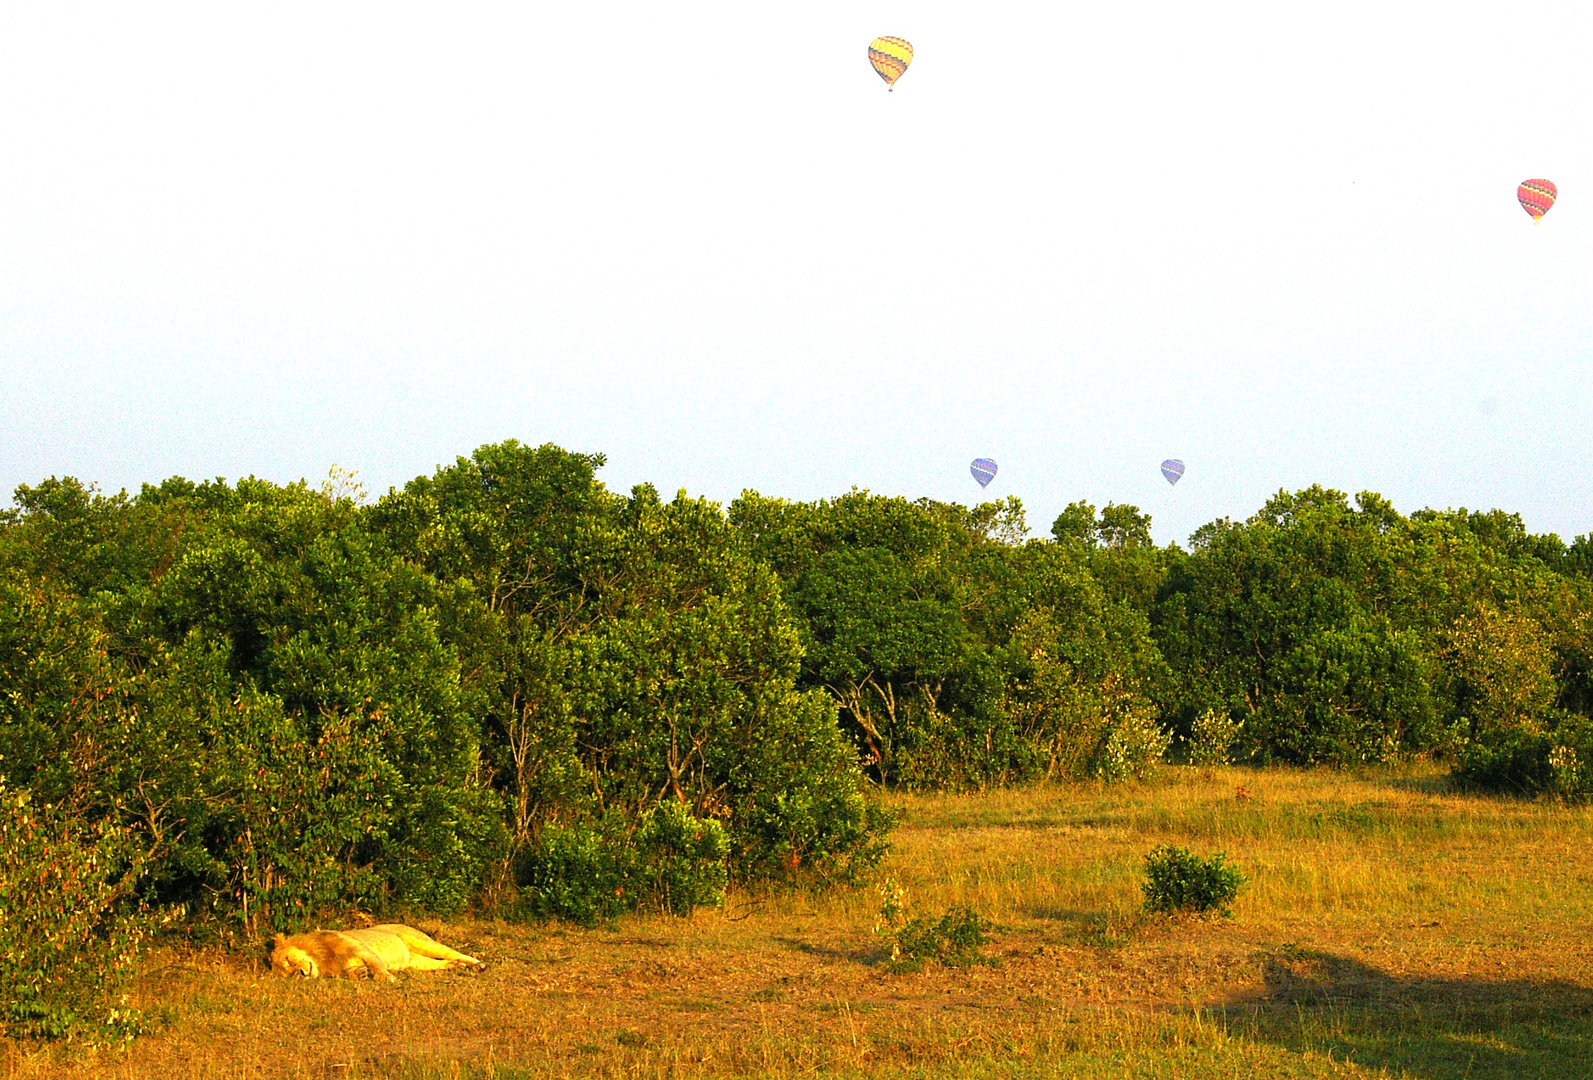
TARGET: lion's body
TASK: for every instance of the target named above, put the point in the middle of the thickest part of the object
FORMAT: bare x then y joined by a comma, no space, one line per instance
403,948
375,951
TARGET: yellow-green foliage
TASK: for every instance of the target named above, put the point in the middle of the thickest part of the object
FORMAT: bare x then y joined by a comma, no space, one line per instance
66,950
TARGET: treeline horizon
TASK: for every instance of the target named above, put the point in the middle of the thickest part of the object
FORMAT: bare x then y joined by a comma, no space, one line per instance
231,709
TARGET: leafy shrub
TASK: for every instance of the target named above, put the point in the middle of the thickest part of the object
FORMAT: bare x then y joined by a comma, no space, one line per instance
799,804
960,656
592,871
1516,762
619,642
1569,770
1132,743
1357,692
1509,734
682,859
1212,737
1178,880
1500,666
956,939
67,947
258,692
576,872
1081,707
1552,757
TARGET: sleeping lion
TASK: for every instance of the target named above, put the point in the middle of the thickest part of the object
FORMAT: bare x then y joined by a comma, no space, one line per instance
373,952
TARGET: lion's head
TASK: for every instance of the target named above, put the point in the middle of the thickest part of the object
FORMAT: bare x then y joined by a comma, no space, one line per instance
287,959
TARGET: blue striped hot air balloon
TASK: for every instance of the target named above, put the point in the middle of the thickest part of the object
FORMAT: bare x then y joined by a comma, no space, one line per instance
1172,468
984,471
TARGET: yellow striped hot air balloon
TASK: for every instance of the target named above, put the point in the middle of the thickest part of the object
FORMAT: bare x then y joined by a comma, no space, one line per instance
890,57
1537,196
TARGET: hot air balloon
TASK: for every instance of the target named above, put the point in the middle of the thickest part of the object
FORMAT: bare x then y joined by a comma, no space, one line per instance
890,57
1172,468
984,471
1536,197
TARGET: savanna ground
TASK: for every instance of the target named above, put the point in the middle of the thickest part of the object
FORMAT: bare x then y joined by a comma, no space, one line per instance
1391,927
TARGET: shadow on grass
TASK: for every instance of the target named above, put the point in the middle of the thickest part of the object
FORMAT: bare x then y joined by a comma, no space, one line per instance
1096,929
1431,784
864,954
1431,1028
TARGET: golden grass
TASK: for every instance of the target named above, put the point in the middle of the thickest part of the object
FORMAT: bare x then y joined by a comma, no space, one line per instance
1391,927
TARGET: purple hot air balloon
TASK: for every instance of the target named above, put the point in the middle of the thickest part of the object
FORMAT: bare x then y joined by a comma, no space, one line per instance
984,471
1172,468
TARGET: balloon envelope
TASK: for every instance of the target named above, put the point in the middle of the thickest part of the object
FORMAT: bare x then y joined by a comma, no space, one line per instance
1172,468
1536,197
984,471
890,57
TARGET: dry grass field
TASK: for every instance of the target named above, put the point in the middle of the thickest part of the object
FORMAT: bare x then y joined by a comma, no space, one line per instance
1391,927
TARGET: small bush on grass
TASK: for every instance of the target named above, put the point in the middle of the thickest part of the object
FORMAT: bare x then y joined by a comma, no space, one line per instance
1179,880
956,939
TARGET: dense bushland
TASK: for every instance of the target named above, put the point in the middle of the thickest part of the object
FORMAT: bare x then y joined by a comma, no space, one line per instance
247,706
1334,635
959,654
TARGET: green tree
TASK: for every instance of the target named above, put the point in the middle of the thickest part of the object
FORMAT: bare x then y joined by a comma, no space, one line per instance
960,654
1283,622
274,712
529,533
635,653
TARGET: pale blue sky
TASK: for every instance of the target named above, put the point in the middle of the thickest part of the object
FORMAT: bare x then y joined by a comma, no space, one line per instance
1278,242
